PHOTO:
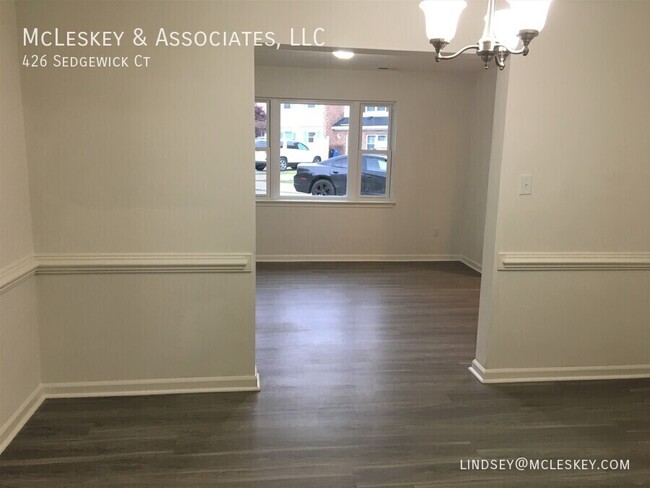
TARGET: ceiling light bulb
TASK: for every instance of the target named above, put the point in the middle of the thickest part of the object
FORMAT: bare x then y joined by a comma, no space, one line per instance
343,54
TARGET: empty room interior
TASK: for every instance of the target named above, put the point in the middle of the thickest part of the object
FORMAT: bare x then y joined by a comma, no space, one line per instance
324,244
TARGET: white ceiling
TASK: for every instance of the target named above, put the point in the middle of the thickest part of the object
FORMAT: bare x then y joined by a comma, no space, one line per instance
301,57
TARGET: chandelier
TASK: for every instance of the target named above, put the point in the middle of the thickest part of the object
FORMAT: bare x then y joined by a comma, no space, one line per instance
504,29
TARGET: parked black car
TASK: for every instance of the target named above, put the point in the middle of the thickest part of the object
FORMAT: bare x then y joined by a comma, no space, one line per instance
330,177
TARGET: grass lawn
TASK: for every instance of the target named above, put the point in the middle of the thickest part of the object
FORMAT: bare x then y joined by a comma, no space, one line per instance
286,182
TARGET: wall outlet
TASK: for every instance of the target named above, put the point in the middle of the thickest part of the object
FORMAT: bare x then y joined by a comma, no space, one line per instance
436,231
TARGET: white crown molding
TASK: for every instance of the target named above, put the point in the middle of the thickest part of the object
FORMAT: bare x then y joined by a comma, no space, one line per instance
217,384
17,272
572,261
573,373
316,258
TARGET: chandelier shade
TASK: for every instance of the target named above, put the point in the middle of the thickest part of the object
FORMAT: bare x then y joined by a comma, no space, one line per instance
505,28
442,17
529,14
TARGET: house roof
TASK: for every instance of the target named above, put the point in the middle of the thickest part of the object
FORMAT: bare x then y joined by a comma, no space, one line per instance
370,121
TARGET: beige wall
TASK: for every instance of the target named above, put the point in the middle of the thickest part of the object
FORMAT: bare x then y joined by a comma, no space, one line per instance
470,224
20,365
580,127
396,24
143,161
140,326
139,160
19,351
437,166
15,216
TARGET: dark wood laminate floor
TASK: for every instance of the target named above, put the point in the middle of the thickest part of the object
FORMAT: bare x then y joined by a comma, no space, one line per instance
365,384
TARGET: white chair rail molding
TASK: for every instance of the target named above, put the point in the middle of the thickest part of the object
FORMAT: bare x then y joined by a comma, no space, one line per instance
17,272
576,261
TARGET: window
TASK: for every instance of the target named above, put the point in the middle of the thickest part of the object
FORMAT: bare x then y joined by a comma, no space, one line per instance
261,147
377,141
376,148
335,151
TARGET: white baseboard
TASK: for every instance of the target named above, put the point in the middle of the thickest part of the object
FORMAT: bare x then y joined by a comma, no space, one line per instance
20,417
471,264
152,387
219,384
324,258
573,373
316,258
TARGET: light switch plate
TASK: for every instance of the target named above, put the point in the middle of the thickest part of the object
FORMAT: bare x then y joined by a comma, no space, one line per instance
526,185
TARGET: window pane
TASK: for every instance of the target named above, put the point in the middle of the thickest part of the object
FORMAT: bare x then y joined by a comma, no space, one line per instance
261,147
370,142
374,171
261,172
311,135
261,123
374,128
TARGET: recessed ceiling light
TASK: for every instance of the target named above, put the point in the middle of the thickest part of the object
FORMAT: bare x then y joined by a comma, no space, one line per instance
343,54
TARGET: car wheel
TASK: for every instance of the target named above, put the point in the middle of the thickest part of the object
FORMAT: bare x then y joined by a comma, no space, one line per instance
323,187
283,163
317,159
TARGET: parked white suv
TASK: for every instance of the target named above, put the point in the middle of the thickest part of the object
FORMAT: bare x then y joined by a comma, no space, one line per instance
292,153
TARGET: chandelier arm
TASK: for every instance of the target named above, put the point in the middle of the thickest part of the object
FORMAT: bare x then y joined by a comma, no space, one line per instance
456,54
500,60
523,50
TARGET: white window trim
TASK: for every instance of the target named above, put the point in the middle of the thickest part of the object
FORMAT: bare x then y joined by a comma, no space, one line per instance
388,152
352,198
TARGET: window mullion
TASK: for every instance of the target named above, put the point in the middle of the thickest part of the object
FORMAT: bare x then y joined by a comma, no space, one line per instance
354,152
273,162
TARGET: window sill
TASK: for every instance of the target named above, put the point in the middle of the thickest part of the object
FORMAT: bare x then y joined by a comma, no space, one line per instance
327,204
